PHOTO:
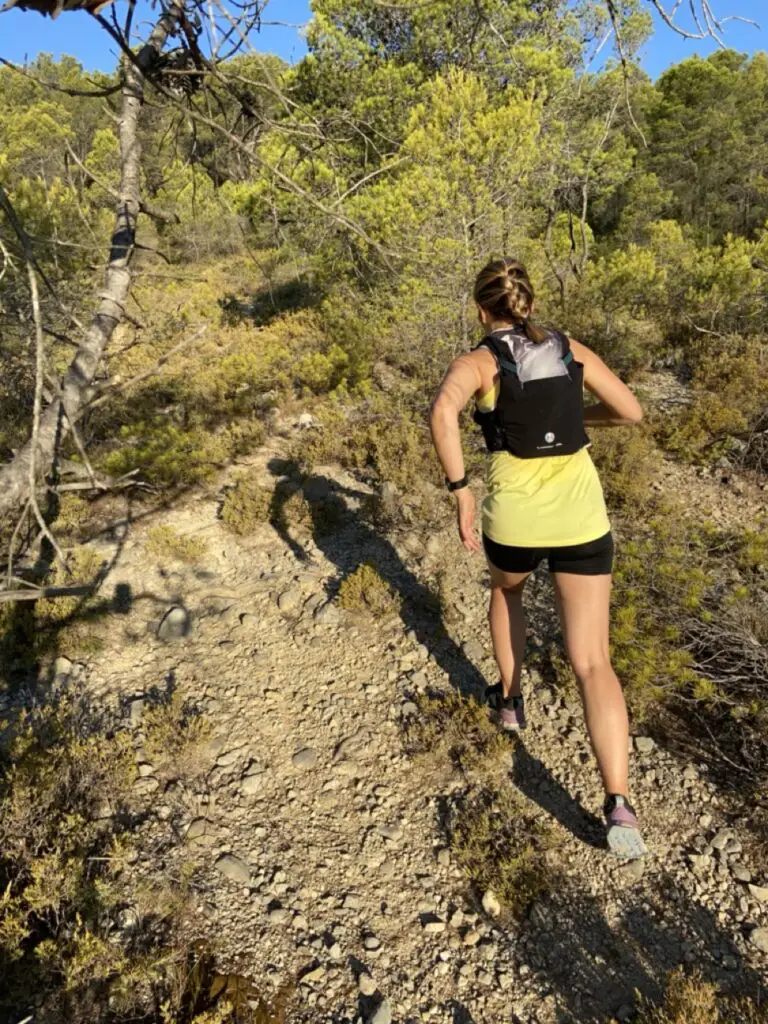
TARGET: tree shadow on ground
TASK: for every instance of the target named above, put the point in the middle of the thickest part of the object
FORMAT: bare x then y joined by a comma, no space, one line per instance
269,303
358,542
538,784
596,968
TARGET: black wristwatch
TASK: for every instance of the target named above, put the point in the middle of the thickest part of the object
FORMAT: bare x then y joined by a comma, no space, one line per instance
456,485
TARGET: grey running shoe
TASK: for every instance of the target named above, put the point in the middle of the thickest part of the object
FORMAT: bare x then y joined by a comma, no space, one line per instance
510,711
622,831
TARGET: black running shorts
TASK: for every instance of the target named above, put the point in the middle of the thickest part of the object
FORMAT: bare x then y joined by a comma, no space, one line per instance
595,558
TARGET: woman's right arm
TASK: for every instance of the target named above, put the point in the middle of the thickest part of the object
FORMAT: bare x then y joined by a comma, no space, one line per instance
616,405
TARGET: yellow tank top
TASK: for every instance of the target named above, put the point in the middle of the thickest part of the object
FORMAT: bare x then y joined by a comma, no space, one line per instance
538,503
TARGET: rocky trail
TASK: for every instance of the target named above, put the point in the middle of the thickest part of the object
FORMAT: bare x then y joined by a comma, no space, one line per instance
324,846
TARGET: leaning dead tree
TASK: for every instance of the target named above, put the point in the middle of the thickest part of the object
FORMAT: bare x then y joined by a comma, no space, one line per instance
75,391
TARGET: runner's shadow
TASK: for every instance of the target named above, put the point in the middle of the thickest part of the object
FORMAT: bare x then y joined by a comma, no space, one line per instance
340,531
536,781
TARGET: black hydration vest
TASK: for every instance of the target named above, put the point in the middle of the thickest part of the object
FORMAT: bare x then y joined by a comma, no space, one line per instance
540,408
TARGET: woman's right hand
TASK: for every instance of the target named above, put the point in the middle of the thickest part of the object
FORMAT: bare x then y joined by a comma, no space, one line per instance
465,511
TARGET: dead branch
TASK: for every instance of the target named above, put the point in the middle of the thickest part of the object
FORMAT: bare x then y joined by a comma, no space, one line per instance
98,93
36,411
151,371
44,592
712,27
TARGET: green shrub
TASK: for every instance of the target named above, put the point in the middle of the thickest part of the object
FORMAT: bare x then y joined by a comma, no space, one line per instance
246,506
165,543
626,461
364,590
167,454
730,394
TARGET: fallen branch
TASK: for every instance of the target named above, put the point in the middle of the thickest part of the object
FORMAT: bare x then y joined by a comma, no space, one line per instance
44,592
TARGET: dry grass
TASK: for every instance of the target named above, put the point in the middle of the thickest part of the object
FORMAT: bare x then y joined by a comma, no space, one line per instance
689,999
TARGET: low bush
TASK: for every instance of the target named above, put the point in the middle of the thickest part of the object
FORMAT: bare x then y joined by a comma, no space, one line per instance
689,999
246,506
453,729
730,397
165,543
494,835
364,590
501,844
83,935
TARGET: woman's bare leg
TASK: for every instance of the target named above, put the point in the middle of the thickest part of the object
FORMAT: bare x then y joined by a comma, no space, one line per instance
507,620
583,602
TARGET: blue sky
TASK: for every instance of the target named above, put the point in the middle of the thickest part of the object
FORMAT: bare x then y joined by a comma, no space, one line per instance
25,34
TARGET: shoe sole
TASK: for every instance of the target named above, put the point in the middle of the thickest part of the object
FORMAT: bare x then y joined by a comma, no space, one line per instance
625,842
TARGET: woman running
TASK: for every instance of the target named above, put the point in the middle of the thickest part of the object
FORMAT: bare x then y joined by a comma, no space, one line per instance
543,500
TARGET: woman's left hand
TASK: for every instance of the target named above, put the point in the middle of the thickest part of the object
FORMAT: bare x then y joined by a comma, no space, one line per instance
465,509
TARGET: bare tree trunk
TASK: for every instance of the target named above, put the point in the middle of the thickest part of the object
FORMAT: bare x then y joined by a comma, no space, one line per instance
76,388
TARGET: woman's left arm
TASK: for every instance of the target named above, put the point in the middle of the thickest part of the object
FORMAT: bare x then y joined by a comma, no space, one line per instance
461,382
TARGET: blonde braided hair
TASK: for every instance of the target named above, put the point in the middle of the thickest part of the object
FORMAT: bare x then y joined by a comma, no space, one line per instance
504,290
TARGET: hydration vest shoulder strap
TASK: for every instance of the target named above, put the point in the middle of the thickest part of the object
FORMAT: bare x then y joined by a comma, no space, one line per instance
505,365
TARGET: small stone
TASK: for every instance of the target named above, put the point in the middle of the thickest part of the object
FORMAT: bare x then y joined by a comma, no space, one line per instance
473,650
409,709
444,858
305,758
633,871
312,974
723,837
644,744
433,925
299,922
372,943
759,939
306,421
390,832
289,600
434,545
471,937
327,614
351,902
62,669
136,712
491,904
278,915
758,892
705,820
382,1014
366,984
484,977
234,869
143,787
198,828
145,770
175,624
252,784
741,873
